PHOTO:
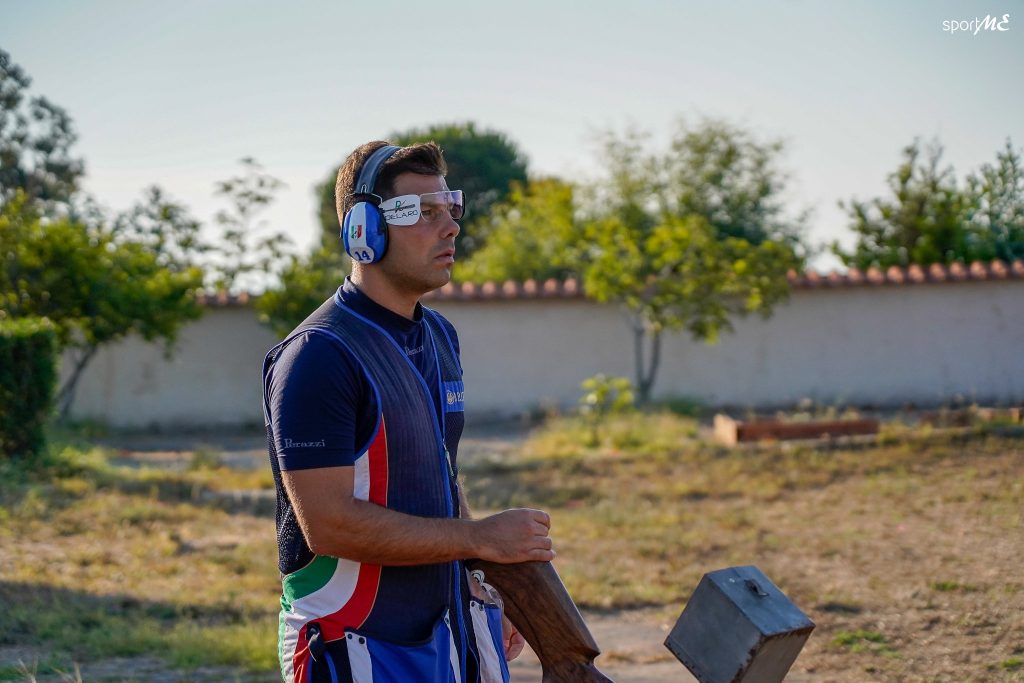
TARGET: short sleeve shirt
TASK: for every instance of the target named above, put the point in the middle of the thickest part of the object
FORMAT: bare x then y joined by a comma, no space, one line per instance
321,407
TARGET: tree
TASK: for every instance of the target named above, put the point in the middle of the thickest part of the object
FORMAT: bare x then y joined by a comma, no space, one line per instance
305,281
923,222
166,228
528,233
36,137
242,253
688,239
931,218
721,173
304,284
482,163
95,285
996,220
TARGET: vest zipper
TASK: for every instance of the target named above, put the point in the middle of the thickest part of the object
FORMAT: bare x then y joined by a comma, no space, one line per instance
455,509
439,432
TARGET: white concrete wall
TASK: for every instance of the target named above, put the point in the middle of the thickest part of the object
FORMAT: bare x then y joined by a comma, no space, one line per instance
884,345
212,379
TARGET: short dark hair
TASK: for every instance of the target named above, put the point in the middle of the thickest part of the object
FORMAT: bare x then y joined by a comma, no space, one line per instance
423,158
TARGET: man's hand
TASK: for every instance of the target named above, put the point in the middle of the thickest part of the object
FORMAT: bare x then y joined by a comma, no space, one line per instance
518,535
513,639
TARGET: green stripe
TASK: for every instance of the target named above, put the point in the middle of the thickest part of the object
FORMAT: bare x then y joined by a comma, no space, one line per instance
309,579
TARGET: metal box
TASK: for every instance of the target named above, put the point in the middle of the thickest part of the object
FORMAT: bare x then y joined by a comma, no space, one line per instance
738,627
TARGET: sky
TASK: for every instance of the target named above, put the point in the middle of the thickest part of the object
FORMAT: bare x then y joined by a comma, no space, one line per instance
174,94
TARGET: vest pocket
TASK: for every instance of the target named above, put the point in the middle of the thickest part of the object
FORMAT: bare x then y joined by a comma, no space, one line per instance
374,660
490,642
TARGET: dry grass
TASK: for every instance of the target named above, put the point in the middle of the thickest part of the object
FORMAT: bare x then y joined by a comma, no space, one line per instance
906,553
105,561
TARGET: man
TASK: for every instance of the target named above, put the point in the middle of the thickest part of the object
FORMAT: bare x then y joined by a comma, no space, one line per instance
364,408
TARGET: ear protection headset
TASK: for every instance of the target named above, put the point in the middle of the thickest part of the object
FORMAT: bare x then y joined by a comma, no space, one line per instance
364,230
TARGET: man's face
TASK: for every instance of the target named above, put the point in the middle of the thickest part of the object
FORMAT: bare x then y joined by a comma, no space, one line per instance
420,257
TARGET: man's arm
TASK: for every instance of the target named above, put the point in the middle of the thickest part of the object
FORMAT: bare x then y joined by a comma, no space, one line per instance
337,524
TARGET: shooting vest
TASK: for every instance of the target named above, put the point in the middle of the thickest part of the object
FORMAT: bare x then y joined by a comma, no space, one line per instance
343,620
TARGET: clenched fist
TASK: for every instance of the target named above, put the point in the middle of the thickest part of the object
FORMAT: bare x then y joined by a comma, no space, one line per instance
518,535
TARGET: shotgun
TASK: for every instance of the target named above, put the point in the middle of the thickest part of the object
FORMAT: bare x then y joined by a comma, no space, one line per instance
537,604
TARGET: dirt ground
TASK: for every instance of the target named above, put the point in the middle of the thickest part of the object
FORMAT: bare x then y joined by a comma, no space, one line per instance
943,584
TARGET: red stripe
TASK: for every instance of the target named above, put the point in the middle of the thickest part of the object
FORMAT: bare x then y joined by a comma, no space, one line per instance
358,607
301,658
355,612
378,454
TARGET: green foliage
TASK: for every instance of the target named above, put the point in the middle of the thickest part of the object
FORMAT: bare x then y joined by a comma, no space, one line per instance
35,141
327,211
931,218
723,174
684,406
94,285
681,275
1012,663
922,223
166,228
242,252
864,641
687,239
604,396
28,374
997,202
952,586
527,235
483,163
304,284
206,458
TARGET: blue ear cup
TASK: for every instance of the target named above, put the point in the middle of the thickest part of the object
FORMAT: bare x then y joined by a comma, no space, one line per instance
365,233
364,230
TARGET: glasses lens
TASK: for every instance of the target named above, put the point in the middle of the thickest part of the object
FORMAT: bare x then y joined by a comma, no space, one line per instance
458,205
434,205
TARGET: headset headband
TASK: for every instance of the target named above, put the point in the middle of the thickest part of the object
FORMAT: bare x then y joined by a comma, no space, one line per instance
368,174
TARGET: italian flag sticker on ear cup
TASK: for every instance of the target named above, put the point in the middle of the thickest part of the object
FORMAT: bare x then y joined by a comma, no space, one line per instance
355,234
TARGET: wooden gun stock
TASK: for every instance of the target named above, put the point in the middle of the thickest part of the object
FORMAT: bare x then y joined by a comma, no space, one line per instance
537,603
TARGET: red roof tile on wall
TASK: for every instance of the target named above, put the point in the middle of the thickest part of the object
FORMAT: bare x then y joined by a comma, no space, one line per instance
894,276
874,277
223,299
911,275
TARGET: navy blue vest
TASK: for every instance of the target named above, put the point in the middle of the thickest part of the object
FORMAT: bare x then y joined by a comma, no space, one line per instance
406,467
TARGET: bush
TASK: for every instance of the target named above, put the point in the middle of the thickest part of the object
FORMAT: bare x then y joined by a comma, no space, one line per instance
604,396
28,374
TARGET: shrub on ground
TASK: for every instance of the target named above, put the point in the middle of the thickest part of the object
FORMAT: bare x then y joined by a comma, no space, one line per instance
28,373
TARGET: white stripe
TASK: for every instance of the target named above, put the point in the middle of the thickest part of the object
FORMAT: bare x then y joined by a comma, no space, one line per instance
361,484
290,642
359,659
357,218
490,666
453,652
